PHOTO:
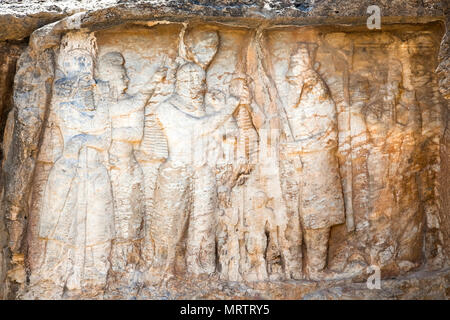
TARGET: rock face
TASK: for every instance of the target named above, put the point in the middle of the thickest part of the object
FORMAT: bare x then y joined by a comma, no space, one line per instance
229,149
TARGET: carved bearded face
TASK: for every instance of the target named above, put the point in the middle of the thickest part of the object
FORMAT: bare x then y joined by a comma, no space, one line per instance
239,88
191,84
111,69
78,61
79,80
422,51
260,200
299,63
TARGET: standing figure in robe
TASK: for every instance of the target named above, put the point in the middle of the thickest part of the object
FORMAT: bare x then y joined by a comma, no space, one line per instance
185,194
312,118
127,127
76,219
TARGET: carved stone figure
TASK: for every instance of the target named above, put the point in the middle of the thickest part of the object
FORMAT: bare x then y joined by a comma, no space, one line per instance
240,147
228,236
260,225
185,187
247,145
422,49
186,159
312,118
76,220
127,126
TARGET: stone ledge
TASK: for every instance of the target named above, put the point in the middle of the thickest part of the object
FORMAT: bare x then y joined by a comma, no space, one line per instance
417,285
19,19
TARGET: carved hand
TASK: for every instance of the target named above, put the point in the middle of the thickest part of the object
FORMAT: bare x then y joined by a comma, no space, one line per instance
216,98
160,74
241,90
259,119
157,78
232,104
74,145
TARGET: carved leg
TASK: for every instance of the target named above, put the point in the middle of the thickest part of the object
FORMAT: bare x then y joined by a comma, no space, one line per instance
273,257
262,264
200,253
316,241
96,267
234,255
290,233
150,173
256,247
126,180
52,274
258,266
169,217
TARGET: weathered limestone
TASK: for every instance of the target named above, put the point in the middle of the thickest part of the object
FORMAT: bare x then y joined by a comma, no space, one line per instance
153,151
10,52
443,71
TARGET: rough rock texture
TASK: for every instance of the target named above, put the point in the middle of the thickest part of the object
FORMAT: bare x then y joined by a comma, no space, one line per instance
443,71
339,137
20,18
10,52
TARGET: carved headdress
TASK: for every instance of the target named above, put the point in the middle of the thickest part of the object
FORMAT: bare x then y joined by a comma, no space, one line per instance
302,59
77,52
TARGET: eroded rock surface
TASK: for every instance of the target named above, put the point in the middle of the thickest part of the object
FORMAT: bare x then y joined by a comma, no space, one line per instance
240,159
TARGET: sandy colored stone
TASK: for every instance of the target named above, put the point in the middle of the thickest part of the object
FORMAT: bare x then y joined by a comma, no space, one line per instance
152,155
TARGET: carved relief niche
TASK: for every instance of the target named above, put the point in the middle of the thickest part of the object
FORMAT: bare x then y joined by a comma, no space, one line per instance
181,152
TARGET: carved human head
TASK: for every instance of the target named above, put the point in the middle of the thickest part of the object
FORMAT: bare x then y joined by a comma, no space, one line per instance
77,61
111,68
191,83
239,88
78,64
260,199
423,44
201,46
78,81
300,61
